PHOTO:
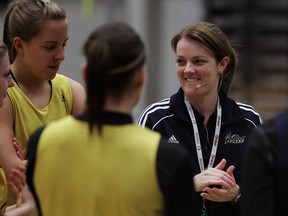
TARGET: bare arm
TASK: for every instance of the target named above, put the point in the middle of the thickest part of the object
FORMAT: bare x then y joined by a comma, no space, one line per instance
79,97
8,156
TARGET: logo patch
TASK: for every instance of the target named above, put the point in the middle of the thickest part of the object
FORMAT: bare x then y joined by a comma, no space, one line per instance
234,139
172,139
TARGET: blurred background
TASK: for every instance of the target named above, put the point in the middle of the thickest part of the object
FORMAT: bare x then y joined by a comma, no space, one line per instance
257,28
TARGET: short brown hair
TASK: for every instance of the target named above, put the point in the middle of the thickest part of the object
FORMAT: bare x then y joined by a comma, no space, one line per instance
216,41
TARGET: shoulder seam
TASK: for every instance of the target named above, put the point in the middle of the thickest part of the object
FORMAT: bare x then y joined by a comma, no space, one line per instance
168,116
162,104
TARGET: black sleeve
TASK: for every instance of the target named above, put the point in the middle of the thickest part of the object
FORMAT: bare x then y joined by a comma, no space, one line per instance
257,174
175,177
31,157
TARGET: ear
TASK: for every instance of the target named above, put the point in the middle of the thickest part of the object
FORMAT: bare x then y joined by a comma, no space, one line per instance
141,76
18,44
223,64
84,71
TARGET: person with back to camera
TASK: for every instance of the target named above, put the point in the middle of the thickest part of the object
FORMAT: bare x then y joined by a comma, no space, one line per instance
202,118
265,169
117,167
36,33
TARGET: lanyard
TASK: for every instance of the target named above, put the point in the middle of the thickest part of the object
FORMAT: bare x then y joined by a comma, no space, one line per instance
197,137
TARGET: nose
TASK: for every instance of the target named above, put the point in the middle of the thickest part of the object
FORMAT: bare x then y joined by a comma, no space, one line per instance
60,55
189,67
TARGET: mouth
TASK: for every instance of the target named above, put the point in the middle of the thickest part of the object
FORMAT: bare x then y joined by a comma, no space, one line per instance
56,67
192,79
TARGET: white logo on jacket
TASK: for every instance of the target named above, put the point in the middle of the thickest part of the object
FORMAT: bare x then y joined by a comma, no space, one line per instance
172,139
234,139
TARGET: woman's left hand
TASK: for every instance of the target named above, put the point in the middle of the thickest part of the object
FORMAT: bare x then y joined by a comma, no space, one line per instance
224,194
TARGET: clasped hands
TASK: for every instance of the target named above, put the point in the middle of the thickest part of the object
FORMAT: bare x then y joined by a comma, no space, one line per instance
226,187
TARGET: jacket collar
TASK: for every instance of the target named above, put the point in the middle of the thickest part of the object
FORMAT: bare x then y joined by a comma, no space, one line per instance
231,113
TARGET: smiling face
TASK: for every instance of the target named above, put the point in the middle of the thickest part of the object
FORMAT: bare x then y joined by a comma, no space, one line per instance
43,54
6,80
197,69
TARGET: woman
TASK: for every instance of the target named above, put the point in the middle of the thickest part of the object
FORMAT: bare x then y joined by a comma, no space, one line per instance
202,118
6,81
120,168
36,33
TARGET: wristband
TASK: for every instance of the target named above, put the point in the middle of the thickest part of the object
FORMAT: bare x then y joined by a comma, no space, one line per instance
236,199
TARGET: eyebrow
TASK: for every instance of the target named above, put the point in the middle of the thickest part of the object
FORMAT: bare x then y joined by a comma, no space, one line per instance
199,56
55,41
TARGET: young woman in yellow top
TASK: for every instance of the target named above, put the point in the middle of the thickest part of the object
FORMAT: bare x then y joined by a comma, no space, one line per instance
36,33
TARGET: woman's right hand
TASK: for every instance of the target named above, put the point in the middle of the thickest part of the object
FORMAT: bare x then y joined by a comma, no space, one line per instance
213,177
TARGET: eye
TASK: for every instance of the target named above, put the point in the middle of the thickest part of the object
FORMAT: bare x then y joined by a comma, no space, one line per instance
199,61
180,62
8,74
49,48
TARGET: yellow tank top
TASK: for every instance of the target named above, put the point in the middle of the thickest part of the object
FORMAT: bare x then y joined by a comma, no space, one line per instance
115,174
3,191
27,118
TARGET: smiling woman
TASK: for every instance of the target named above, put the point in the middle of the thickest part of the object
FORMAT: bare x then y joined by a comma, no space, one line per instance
202,118
36,33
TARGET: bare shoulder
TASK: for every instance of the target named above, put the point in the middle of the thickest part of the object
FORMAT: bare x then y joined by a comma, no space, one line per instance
79,97
75,85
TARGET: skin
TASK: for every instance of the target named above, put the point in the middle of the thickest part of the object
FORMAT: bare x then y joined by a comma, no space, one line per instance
6,80
17,176
196,66
26,208
25,203
198,74
37,61
45,53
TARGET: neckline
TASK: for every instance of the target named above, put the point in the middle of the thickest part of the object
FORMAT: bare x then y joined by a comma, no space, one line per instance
13,77
15,80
